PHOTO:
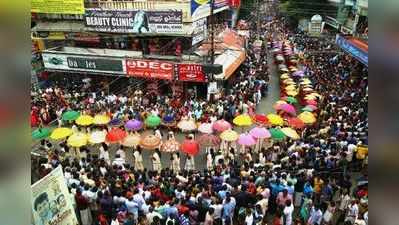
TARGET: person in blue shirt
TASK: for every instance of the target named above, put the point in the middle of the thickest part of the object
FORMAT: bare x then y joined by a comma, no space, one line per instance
228,209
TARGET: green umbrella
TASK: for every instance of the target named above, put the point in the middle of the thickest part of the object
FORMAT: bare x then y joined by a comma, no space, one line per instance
291,100
70,115
153,121
307,109
277,134
40,133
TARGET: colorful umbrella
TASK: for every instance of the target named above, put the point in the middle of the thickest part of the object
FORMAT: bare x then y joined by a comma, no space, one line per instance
313,107
261,119
132,140
246,140
84,120
116,122
298,73
40,133
311,102
289,132
209,140
284,76
190,147
77,140
101,119
229,135
296,123
170,146
243,120
221,125
290,88
278,103
307,117
153,121
306,82
287,108
307,89
277,134
60,133
291,100
187,125
292,93
168,119
260,132
150,142
115,135
205,128
275,119
97,137
310,97
134,125
307,109
70,115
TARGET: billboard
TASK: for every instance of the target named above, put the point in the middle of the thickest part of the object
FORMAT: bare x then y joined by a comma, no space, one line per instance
51,202
58,6
202,8
352,49
191,72
150,69
200,31
134,21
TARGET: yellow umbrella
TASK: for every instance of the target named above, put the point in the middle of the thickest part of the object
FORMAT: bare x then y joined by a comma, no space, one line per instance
310,97
289,132
60,133
314,94
307,117
306,81
308,89
132,140
293,69
279,102
275,119
292,93
84,120
243,120
101,119
287,81
290,88
77,140
229,135
284,76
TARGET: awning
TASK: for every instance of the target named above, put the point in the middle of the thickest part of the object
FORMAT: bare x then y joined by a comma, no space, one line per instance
231,60
355,47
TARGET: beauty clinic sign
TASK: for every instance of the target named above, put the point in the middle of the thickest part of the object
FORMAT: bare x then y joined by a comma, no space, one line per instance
191,73
149,69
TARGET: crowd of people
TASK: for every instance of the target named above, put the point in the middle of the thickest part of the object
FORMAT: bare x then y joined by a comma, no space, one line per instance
318,179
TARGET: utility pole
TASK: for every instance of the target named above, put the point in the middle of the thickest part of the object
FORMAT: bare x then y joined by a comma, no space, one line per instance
212,34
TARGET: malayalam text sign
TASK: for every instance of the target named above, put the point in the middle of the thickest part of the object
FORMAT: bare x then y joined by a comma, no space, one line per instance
58,6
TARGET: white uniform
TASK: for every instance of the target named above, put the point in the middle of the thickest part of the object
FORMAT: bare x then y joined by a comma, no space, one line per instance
138,161
156,162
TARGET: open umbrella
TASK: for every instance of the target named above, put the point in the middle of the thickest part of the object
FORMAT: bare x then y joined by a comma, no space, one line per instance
246,140
277,134
187,125
131,140
101,119
229,135
310,97
77,140
153,121
170,146
150,142
291,100
287,108
260,132
115,135
296,123
70,115
278,103
307,117
292,93
284,76
221,125
169,121
205,128
134,125
97,137
190,147
209,140
261,119
84,120
289,132
60,133
307,109
290,88
116,122
243,120
313,107
275,119
298,73
40,133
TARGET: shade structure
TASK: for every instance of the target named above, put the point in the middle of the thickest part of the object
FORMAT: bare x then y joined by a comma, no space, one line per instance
115,135
246,140
296,123
70,115
260,132
275,119
190,147
310,97
153,121
77,140
277,134
291,133
243,120
205,128
116,122
298,73
229,135
307,117
292,93
41,133
61,133
97,137
209,140
307,89
168,119
101,119
307,109
278,103
313,107
131,140
187,125
170,146
306,82
291,100
221,125
84,120
288,108
134,125
261,119
290,87
284,76
150,142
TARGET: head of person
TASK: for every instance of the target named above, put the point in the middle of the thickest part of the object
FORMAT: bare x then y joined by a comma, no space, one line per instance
42,205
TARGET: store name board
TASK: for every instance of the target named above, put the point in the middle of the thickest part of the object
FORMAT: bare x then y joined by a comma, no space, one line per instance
191,72
149,69
133,21
356,52
58,6
201,8
199,31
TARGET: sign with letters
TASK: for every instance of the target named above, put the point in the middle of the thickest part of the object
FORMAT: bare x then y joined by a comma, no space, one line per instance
58,6
191,72
150,69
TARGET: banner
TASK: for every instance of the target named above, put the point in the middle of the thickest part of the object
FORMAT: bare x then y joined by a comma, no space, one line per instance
352,49
51,202
83,63
58,6
191,72
149,69
200,31
129,21
202,8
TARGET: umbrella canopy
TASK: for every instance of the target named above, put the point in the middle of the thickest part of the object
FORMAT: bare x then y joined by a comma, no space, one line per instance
84,120
134,125
101,119
296,123
153,121
221,125
243,120
168,119
170,146
287,108
307,109
290,87
298,73
260,132
116,122
246,140
310,97
187,125
190,147
307,89
306,82
278,103
292,93
150,142
284,76
277,134
289,132
313,107
70,115
60,133
115,135
132,140
205,128
229,135
209,140
311,102
77,140
307,117
261,119
41,133
291,100
275,119
97,137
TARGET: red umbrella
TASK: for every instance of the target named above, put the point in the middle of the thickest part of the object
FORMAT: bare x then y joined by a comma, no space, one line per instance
311,102
190,147
115,135
261,119
295,122
221,125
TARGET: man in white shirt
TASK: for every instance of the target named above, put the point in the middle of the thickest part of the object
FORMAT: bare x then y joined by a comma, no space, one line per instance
288,210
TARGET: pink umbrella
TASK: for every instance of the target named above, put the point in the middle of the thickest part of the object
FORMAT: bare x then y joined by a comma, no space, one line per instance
260,132
205,128
246,140
221,125
209,140
288,108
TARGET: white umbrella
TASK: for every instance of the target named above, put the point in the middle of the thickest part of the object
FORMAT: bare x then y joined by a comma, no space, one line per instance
206,128
97,137
187,125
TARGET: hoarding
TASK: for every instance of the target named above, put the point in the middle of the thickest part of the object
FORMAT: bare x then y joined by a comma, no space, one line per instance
150,69
353,50
202,8
191,72
58,6
200,31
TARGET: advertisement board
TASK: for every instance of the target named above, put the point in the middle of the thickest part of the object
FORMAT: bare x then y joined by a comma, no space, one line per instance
134,21
350,48
191,72
202,8
150,69
83,63
51,202
200,31
58,6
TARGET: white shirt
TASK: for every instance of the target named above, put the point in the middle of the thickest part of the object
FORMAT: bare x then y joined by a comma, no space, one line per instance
218,211
121,153
249,219
288,210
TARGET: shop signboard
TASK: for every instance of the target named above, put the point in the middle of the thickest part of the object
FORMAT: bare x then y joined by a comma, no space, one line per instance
350,48
134,21
202,8
191,73
150,69
199,31
51,202
57,61
58,6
